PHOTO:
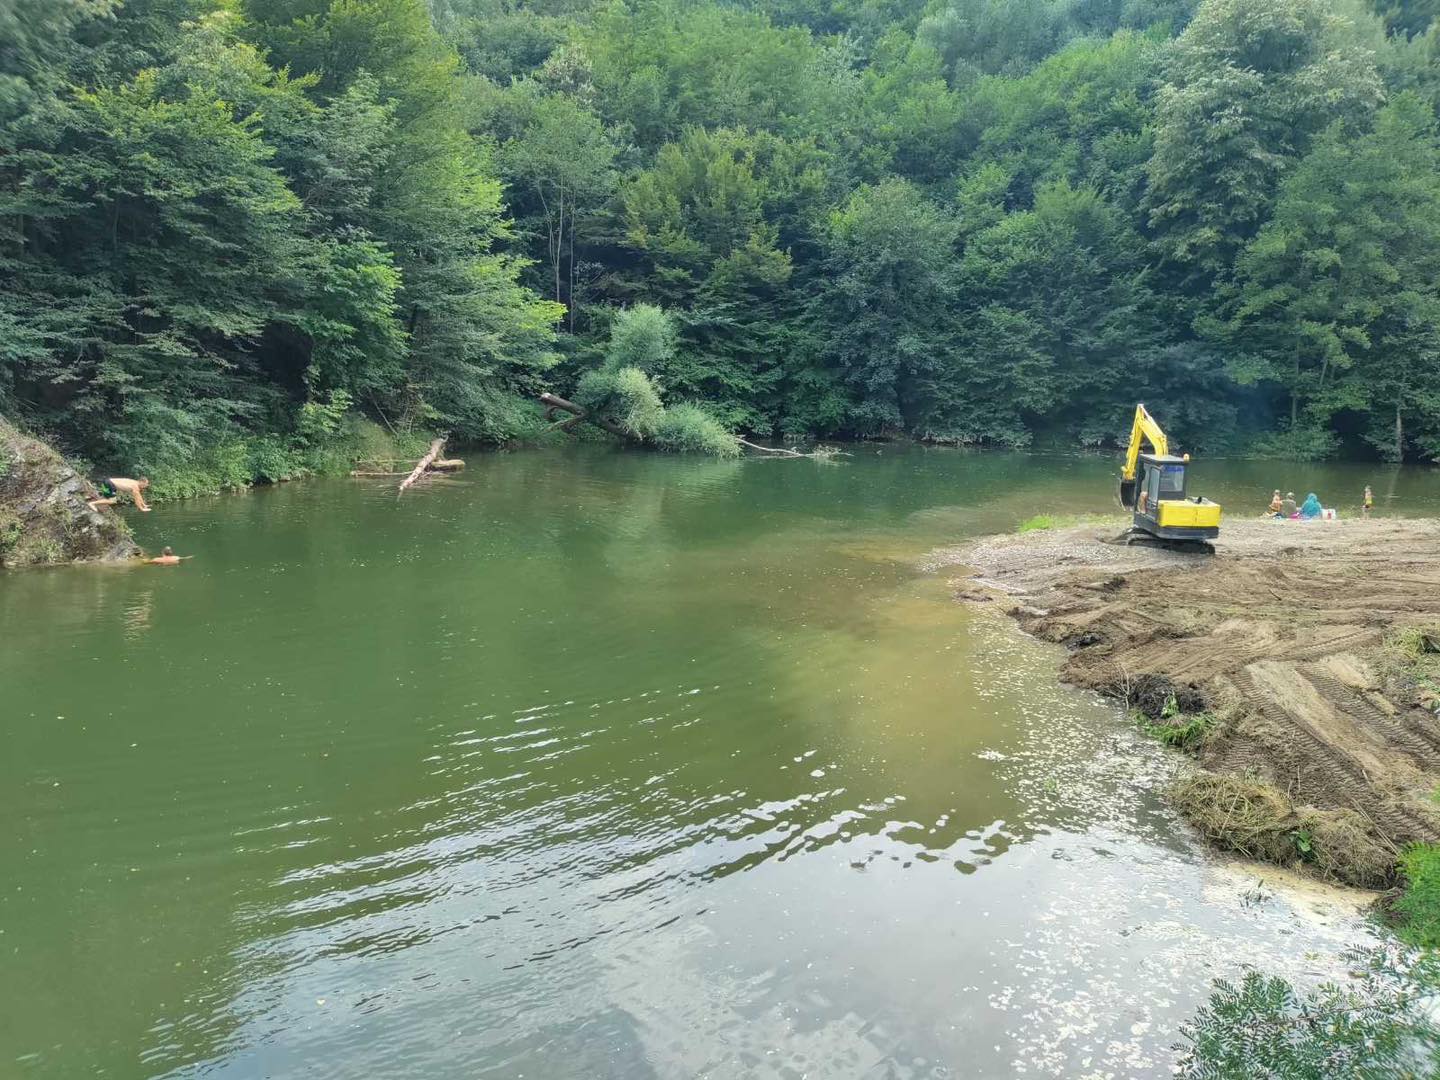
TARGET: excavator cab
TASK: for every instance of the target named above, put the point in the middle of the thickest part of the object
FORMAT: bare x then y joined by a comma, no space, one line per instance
1152,486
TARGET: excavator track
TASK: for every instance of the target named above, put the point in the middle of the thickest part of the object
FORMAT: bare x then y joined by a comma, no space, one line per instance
1141,538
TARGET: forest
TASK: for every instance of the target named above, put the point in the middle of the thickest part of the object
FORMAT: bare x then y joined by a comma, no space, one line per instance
241,238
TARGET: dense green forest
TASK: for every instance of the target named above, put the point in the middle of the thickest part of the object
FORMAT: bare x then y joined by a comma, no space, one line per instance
237,235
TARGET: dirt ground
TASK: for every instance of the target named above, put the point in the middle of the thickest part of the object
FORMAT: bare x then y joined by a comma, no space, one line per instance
1300,655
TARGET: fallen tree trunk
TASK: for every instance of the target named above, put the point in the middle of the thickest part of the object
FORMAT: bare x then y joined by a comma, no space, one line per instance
422,465
554,401
822,452
367,472
769,449
567,425
453,464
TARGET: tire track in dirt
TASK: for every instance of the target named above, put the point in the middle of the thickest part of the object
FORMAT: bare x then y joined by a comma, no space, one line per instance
1282,635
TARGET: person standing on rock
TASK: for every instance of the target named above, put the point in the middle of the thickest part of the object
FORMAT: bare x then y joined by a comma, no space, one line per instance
112,487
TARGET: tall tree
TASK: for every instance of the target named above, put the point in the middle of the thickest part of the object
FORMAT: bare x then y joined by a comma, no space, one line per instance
559,162
1249,85
1064,324
883,319
1336,300
476,337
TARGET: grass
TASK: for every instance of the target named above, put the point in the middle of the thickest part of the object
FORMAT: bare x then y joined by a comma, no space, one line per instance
1419,905
1174,728
1063,521
238,461
1181,732
1414,643
1411,657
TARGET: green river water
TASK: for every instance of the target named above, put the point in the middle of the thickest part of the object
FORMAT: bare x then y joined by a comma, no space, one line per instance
591,763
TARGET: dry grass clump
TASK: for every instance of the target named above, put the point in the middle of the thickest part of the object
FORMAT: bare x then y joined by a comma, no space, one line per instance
1410,664
1257,820
1345,848
1249,817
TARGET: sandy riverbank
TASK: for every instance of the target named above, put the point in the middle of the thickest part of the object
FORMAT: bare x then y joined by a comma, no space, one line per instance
1297,664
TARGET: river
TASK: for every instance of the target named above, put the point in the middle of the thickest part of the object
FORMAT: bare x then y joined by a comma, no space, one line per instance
592,763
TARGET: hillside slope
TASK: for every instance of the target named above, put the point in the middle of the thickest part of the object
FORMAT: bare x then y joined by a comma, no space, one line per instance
44,517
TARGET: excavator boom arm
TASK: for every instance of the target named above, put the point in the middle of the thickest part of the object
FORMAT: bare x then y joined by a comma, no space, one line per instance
1143,428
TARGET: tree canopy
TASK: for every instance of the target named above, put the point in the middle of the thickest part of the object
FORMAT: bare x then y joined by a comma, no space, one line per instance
230,229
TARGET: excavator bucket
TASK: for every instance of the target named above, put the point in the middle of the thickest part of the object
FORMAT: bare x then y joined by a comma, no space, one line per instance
1127,494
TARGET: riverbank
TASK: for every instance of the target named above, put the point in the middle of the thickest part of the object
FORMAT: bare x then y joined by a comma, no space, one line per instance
44,516
1299,666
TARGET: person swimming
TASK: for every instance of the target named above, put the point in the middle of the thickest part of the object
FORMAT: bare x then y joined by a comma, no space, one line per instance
1311,507
167,557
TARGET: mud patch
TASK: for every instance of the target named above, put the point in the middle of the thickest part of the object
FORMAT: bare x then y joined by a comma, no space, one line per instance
1324,750
1160,697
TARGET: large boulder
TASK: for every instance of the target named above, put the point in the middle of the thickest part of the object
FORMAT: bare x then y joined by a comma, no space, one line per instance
44,516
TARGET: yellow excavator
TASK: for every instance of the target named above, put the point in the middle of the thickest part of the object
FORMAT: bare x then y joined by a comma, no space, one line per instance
1153,487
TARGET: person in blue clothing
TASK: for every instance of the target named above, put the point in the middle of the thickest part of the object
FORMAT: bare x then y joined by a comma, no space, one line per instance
1311,507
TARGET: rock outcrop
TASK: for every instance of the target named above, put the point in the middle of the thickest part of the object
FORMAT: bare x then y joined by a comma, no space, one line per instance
44,516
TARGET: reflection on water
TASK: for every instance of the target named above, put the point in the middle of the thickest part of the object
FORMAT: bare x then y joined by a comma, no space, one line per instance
589,765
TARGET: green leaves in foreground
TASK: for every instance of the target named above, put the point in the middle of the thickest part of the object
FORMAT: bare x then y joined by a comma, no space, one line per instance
1419,905
1382,1023
1379,1025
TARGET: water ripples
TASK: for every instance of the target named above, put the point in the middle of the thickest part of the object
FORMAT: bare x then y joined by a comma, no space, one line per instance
659,779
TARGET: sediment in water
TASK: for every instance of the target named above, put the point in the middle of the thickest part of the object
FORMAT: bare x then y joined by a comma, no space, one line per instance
44,516
1309,651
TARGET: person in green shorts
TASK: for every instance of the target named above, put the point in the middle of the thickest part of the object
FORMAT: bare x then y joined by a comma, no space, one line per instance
111,488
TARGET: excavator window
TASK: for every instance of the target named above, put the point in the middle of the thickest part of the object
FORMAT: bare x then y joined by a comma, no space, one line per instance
1160,481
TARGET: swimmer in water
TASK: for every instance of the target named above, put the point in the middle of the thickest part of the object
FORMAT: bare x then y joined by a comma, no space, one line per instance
167,557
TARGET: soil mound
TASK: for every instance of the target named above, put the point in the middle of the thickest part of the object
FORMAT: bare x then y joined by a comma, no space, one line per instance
1303,651
44,517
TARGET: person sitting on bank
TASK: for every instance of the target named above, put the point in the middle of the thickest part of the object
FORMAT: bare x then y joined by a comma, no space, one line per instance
1277,504
1288,507
112,487
167,557
1368,503
1311,507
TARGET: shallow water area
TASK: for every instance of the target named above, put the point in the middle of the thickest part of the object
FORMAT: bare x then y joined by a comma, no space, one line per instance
600,764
